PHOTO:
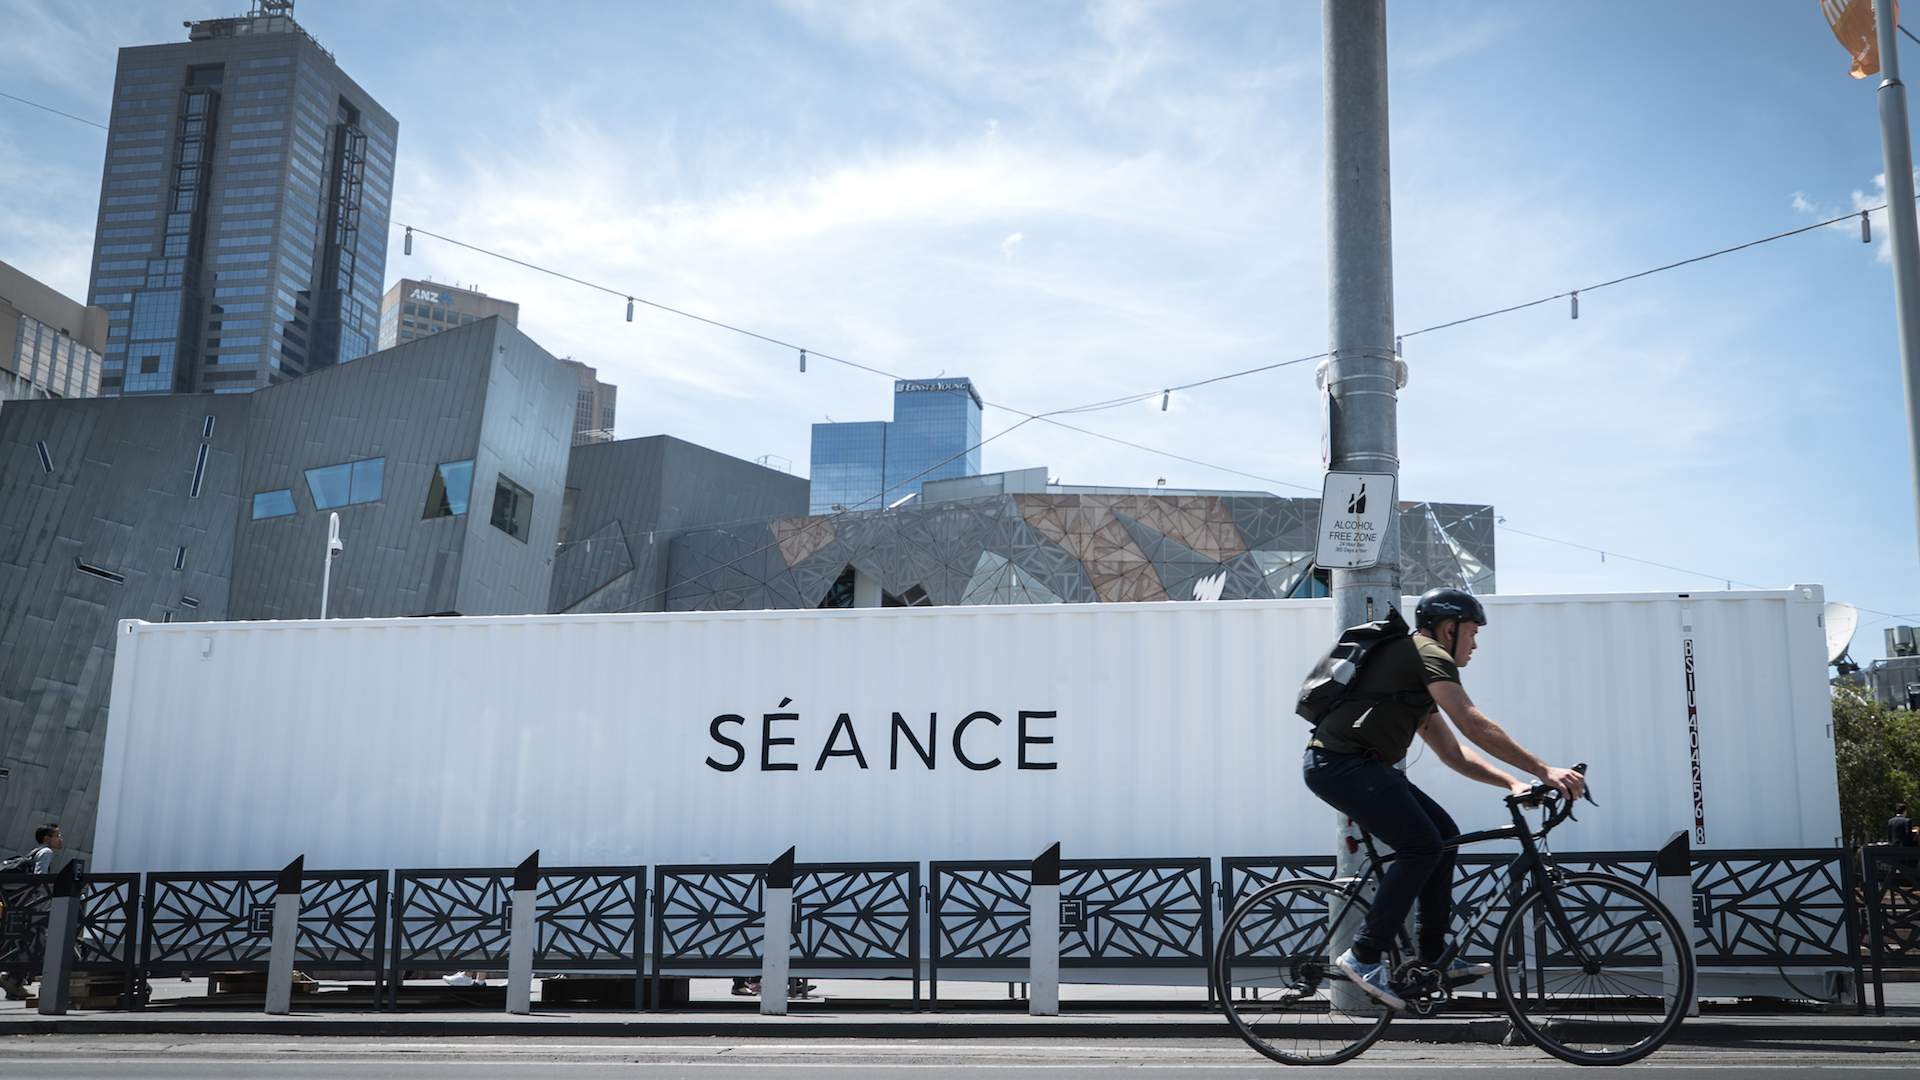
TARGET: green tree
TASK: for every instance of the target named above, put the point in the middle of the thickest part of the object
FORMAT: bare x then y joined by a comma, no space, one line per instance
1876,752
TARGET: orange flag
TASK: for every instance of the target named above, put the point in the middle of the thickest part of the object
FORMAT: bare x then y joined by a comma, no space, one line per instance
1852,23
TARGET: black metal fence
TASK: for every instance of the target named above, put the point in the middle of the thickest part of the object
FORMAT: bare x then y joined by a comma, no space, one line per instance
1892,900
202,922
855,917
1120,913
1784,909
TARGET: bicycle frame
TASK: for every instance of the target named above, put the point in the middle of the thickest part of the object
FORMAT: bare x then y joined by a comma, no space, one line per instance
1531,861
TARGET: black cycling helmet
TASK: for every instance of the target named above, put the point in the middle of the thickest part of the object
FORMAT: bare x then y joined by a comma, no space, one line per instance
1439,605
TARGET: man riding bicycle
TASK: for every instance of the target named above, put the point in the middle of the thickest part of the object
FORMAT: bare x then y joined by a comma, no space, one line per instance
1350,766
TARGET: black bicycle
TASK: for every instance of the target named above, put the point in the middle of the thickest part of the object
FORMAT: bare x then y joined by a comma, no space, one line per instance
1591,968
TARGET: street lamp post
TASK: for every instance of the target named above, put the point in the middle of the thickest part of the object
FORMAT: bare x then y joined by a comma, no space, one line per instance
334,548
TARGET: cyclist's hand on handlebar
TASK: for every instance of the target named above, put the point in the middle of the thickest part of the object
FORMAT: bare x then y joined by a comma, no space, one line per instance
1568,782
1520,789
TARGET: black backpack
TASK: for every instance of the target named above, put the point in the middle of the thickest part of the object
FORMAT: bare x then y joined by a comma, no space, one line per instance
1330,682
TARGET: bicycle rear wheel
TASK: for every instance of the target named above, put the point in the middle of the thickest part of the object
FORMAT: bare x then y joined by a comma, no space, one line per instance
1274,971
1604,985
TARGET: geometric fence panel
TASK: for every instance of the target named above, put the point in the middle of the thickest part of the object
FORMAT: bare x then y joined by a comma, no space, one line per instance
23,927
1113,913
104,941
1136,913
224,922
852,915
207,921
1892,894
979,913
589,918
708,917
109,922
451,920
1774,907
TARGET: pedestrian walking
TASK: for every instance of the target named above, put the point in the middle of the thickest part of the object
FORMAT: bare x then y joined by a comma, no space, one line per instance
1900,832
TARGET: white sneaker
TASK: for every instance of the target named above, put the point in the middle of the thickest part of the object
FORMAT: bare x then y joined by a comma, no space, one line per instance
458,978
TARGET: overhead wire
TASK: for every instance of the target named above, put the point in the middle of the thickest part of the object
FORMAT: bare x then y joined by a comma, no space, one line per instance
1050,417
51,109
1166,391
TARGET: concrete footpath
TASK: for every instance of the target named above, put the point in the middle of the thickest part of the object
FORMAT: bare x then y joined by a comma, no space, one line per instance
863,1009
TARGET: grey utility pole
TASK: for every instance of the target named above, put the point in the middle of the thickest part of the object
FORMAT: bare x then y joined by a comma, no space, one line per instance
1362,374
1896,148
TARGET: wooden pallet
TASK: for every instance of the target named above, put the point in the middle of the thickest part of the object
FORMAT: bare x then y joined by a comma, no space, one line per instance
255,983
88,990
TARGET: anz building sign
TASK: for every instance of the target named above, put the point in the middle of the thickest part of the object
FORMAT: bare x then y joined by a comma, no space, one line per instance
425,296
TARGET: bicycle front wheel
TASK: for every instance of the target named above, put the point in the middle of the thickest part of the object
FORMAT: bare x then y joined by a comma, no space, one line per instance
1274,971
1595,971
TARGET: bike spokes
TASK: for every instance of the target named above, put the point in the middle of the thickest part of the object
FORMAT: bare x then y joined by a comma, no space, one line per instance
1274,971
1595,971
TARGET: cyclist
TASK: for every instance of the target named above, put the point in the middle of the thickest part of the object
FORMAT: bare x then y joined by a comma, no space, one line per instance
1350,766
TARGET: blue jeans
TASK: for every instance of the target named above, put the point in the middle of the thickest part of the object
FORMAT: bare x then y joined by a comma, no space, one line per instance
1386,804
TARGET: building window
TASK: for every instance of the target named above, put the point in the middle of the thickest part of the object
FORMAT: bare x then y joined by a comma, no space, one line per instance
272,504
447,495
347,484
512,508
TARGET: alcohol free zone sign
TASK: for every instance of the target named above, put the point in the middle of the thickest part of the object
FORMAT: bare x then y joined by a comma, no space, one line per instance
1354,511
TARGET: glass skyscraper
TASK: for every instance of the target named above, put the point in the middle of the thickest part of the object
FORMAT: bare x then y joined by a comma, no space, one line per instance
934,435
242,237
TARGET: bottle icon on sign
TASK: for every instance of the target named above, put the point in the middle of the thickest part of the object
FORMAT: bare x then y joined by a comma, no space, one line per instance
1357,502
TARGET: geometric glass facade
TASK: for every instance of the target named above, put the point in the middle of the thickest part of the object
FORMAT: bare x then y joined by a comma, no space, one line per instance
41,362
849,467
241,238
934,435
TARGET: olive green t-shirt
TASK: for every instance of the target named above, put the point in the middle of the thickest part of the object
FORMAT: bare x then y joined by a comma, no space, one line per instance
1387,726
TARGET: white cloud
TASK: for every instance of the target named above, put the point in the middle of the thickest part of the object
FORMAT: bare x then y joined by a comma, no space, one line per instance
1011,244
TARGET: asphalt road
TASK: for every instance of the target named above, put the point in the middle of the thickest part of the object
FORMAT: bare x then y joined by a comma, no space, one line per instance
126,1057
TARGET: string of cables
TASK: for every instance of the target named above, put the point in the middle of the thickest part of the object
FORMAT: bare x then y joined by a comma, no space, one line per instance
1165,393
1051,417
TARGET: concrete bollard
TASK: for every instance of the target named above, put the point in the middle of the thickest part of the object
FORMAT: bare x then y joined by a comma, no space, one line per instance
286,937
776,942
520,936
63,928
1043,926
1673,870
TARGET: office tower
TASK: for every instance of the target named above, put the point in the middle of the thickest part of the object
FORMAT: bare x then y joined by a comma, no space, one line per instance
49,346
414,308
242,235
871,465
593,408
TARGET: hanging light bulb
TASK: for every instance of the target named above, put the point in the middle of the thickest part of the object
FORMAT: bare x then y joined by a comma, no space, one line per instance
629,309
1866,228
1575,298
1165,396
803,361
408,245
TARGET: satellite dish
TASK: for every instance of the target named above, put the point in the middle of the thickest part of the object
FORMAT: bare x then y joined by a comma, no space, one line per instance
1842,620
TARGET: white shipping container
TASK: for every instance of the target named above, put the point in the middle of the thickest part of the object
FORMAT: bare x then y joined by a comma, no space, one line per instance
1122,730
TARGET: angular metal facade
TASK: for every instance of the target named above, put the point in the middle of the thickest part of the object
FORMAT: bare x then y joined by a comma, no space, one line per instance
1055,548
143,509
631,499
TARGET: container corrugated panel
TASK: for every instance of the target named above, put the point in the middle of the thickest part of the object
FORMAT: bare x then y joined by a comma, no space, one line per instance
1168,729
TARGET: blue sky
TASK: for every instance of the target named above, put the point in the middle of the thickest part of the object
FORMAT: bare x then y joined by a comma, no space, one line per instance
1070,202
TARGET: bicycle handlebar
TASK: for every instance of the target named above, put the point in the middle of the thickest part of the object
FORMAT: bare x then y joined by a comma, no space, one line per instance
1559,808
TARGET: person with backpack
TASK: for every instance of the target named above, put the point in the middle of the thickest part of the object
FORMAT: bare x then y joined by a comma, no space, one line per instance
46,841
1369,698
